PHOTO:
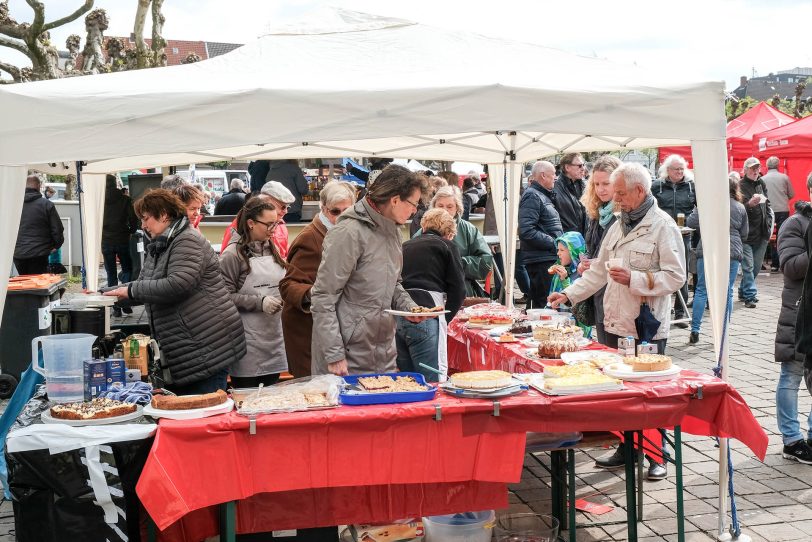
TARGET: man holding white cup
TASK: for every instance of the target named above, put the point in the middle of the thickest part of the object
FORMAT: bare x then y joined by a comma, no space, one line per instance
642,258
759,219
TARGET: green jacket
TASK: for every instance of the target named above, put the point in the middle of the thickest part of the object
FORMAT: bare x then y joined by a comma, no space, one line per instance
477,259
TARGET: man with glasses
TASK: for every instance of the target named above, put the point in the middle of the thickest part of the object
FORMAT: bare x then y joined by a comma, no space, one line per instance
675,194
569,188
759,219
539,226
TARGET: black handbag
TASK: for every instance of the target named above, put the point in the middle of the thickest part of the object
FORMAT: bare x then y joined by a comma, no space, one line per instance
584,311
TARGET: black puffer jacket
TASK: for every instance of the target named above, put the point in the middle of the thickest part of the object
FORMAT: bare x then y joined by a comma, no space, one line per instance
41,229
539,225
794,262
674,198
568,203
191,314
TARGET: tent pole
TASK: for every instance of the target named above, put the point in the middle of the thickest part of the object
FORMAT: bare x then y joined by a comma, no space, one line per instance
508,252
81,222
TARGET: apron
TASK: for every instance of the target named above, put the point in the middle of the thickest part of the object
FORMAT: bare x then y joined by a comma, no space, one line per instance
264,344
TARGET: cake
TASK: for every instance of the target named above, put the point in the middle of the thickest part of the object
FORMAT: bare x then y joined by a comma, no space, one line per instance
646,363
521,327
479,320
507,337
564,371
572,383
186,402
552,332
96,409
552,348
420,310
501,319
387,384
481,379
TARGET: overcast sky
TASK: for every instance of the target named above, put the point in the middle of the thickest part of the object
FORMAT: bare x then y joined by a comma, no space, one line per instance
704,39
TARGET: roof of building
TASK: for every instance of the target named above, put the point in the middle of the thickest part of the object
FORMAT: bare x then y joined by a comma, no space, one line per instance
217,48
177,50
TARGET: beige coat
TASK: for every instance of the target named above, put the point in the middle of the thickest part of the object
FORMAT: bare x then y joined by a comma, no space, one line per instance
654,245
358,278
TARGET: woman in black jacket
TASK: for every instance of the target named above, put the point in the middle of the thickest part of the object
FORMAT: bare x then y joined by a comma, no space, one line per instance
794,262
191,314
598,201
432,274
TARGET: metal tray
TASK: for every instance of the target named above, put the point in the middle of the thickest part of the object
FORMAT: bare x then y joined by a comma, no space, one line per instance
354,397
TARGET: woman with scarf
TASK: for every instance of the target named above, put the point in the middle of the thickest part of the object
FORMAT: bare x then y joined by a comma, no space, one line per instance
304,258
252,269
598,201
182,291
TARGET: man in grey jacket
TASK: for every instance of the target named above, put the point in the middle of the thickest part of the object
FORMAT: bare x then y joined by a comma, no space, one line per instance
779,190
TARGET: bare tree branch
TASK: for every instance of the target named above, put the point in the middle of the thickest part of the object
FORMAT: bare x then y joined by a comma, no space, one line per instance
39,16
12,70
88,5
14,44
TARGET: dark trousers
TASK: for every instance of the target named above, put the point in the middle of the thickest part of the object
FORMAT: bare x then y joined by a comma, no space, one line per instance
293,217
678,312
208,385
611,342
254,381
780,217
32,266
540,281
112,251
521,276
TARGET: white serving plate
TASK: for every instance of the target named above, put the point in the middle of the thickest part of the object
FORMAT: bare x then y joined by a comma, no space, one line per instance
47,418
576,357
536,381
191,413
625,372
393,312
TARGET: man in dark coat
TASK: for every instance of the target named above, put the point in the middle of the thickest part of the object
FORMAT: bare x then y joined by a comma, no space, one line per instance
119,223
794,263
232,202
539,226
569,187
754,197
289,174
40,233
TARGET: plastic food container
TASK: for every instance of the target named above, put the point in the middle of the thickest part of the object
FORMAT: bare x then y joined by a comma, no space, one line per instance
466,527
349,396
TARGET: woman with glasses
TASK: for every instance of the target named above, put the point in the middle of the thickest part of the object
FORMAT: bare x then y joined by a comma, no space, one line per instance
304,258
359,278
252,269
477,259
280,197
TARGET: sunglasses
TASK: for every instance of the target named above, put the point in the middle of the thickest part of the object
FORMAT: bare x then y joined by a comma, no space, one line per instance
578,165
335,212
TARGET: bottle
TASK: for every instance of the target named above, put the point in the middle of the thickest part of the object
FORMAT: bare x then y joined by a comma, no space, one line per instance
646,348
625,347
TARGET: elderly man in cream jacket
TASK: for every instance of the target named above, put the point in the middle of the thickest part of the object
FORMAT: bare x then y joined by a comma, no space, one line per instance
641,259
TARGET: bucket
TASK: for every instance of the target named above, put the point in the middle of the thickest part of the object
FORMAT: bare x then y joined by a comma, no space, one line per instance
63,357
526,527
466,527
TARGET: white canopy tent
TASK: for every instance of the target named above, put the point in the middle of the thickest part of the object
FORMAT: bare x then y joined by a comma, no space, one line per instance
406,91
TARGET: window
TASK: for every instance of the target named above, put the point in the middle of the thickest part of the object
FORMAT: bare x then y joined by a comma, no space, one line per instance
174,50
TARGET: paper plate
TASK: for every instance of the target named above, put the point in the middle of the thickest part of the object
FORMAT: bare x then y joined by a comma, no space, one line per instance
393,312
587,355
625,372
47,418
192,413
491,393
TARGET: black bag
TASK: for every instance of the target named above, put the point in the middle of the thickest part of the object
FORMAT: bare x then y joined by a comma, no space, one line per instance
584,311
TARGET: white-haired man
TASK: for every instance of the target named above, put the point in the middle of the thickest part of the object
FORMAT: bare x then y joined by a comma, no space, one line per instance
539,226
754,197
780,191
675,194
231,202
642,258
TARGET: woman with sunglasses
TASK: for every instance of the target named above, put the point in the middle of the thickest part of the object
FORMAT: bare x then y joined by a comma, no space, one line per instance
252,269
359,278
303,263
568,189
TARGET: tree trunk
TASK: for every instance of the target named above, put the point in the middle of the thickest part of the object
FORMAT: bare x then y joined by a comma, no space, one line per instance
95,23
158,42
142,51
71,187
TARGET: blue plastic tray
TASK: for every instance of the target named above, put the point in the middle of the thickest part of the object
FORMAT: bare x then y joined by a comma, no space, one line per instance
348,397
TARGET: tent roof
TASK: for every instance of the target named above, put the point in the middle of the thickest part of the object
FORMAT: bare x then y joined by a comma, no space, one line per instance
402,90
757,119
791,140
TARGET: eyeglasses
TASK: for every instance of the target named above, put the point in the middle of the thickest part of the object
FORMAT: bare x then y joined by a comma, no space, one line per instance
580,166
269,225
410,203
335,212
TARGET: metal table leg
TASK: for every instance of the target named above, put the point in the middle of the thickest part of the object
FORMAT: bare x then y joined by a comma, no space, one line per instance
680,487
152,530
631,497
571,494
228,521
557,489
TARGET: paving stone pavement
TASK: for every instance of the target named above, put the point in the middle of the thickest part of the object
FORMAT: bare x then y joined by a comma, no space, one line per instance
773,498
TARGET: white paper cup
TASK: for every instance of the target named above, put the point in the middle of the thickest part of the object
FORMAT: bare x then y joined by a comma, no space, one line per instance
614,262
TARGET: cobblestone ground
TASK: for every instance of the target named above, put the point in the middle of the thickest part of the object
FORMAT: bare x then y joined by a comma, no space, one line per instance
774,498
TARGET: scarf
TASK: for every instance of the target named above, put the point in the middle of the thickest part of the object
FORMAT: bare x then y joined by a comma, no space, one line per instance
576,246
326,221
629,220
605,213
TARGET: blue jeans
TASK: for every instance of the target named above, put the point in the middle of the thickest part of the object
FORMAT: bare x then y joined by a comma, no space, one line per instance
416,344
521,276
751,266
109,253
786,402
701,292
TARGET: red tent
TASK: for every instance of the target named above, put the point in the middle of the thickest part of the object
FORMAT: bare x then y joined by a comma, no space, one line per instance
740,131
792,144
